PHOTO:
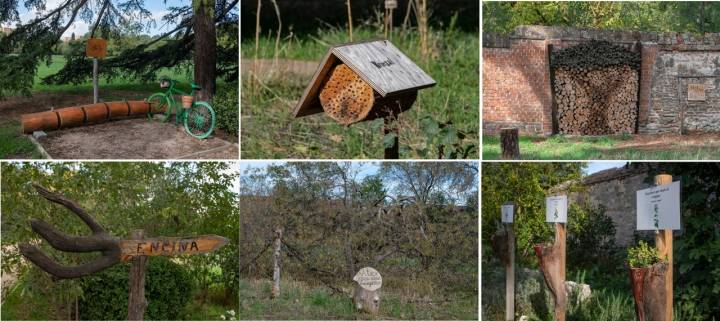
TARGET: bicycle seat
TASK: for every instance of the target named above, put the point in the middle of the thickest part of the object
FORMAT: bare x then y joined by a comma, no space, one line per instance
195,86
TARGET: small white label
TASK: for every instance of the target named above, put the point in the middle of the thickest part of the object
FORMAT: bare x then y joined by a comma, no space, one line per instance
556,209
368,278
658,207
507,213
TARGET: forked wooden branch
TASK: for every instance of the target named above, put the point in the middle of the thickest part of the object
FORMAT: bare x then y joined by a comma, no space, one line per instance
98,241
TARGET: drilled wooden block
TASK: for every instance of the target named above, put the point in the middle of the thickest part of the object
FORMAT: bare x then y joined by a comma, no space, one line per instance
345,96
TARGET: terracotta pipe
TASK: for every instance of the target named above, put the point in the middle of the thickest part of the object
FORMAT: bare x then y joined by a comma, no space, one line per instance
82,115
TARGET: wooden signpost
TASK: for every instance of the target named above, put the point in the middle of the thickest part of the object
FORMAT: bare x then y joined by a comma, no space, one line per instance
390,5
658,209
363,81
136,250
552,257
507,216
96,49
367,296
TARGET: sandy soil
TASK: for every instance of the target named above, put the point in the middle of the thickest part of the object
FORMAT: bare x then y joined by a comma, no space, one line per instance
137,138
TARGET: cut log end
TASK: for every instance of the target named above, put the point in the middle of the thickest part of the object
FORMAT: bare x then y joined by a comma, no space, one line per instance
345,96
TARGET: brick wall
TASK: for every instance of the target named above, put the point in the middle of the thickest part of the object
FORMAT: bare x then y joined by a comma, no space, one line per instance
516,88
516,78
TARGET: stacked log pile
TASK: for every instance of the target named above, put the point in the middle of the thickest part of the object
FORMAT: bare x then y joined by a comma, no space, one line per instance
596,86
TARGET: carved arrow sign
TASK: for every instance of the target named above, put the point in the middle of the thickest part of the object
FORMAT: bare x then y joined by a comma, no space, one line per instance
170,246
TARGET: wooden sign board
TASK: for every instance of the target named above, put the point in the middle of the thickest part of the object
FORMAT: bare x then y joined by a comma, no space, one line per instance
391,4
368,278
658,207
556,209
507,212
378,62
696,92
96,48
170,246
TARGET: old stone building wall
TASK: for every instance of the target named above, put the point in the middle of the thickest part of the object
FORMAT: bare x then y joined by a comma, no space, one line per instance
517,78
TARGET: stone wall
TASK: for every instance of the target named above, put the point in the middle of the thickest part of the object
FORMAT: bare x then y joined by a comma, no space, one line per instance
516,78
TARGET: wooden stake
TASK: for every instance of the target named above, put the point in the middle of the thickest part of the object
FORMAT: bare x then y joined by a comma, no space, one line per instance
136,298
560,237
276,263
664,245
510,275
95,80
350,22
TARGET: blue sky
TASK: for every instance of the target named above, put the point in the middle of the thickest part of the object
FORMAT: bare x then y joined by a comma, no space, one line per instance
158,8
594,167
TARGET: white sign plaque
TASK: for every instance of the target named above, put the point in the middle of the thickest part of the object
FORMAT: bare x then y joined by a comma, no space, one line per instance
507,213
658,207
368,278
556,209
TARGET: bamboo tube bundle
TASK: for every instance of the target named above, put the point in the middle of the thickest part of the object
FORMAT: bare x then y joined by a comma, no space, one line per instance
82,115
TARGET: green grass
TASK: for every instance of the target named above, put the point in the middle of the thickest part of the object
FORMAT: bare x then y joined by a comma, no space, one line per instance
270,131
14,144
560,147
300,301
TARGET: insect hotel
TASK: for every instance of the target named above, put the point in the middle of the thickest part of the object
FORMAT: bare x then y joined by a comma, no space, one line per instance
363,81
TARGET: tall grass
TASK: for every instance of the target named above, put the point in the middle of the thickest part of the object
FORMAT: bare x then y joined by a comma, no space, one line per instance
269,131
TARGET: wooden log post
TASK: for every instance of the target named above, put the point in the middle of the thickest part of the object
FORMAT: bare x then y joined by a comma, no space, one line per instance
276,263
136,299
552,264
664,245
510,144
510,275
366,296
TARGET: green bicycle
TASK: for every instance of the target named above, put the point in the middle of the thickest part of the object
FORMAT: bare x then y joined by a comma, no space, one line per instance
198,117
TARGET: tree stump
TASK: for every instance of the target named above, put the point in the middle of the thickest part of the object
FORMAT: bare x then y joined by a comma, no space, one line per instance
637,279
552,265
654,293
509,141
366,300
136,299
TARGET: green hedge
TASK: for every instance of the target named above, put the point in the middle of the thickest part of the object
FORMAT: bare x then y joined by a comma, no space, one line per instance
227,106
168,288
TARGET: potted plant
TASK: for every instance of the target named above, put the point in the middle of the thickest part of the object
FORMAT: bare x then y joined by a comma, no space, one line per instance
641,259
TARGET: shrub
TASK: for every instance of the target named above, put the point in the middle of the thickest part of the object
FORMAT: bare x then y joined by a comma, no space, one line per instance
168,288
642,255
227,107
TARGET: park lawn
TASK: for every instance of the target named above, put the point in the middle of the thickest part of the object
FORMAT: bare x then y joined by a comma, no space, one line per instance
300,301
270,131
621,147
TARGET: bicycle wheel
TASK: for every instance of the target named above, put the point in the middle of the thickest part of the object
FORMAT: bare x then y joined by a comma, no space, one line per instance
159,103
200,120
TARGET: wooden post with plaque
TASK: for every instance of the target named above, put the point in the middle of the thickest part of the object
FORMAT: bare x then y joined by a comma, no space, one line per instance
136,250
363,81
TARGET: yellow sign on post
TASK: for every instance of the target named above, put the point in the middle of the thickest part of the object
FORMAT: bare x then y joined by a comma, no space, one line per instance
96,48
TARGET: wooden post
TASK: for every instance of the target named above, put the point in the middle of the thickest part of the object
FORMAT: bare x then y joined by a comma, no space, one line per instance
136,299
510,144
664,245
276,263
95,80
350,22
560,236
510,275
392,152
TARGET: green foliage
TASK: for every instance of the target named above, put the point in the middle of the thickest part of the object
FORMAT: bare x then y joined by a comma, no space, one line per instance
590,238
680,16
642,255
227,107
168,288
526,184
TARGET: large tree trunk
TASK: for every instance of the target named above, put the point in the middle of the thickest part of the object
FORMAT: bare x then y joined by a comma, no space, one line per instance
205,47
